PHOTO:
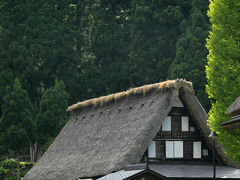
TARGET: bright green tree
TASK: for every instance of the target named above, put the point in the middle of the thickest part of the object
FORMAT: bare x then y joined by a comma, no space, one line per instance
52,115
16,124
223,69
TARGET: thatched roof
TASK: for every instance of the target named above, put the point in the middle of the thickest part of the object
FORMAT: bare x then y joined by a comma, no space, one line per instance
234,108
105,134
143,90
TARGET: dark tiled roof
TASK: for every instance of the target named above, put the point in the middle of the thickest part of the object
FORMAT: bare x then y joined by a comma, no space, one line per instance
232,124
195,171
179,171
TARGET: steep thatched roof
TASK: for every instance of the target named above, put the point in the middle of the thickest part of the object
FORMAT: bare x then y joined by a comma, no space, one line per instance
143,90
234,108
105,134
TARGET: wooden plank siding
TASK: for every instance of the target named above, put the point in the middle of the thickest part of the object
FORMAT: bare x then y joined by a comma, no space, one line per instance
187,137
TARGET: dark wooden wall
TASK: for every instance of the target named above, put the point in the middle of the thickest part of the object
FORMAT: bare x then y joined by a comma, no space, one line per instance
176,133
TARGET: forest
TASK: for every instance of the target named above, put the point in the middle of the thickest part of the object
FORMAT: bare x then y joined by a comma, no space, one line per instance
56,53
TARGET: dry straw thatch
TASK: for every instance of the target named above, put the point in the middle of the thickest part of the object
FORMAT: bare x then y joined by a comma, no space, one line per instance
102,137
143,90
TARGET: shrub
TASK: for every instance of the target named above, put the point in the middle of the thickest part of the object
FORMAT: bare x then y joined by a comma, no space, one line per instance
10,178
9,163
27,165
3,173
24,172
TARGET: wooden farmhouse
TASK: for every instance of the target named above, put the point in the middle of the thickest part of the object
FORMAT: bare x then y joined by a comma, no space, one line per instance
234,112
157,131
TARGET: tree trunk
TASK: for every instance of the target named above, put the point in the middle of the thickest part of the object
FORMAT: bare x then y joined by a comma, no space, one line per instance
18,168
35,151
31,154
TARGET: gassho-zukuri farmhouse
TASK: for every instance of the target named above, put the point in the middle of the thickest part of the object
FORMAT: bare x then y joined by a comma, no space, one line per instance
156,131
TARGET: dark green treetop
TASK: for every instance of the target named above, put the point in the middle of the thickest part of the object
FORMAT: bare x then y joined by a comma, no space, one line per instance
106,46
16,125
155,28
52,115
190,59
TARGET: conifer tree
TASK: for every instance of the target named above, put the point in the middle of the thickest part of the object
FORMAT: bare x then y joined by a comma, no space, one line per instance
223,69
107,70
190,59
154,32
17,127
52,115
39,42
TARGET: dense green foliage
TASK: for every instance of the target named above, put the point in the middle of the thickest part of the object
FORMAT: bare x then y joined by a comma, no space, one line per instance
223,70
8,163
37,43
97,48
17,128
8,168
16,125
52,115
190,59
154,32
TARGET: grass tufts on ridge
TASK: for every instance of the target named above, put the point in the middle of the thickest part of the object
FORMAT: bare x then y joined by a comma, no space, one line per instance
172,85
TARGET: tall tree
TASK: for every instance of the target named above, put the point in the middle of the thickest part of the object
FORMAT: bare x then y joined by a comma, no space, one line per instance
52,115
190,59
105,46
223,75
13,53
39,42
155,28
16,124
106,72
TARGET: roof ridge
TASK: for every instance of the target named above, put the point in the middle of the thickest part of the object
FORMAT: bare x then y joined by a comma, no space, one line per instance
234,108
142,90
